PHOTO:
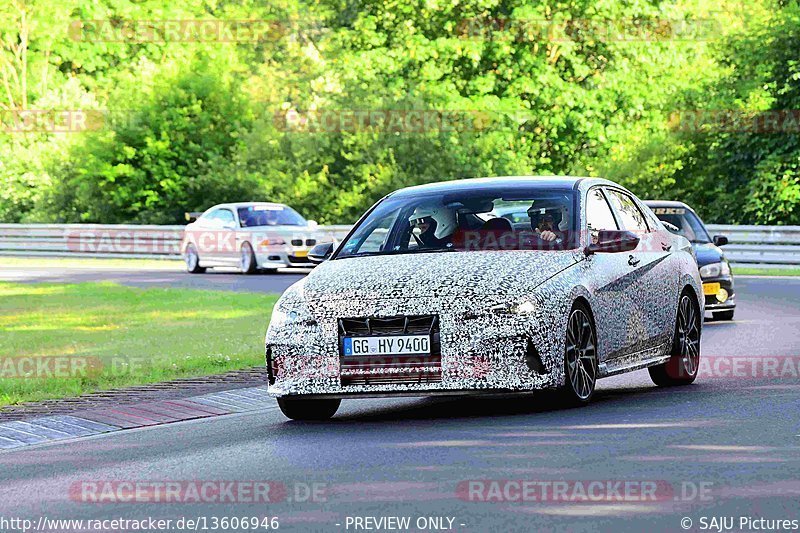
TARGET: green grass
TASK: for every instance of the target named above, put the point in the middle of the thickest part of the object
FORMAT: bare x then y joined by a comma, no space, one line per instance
89,262
755,271
128,336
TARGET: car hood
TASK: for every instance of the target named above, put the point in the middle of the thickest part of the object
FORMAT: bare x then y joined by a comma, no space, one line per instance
707,253
431,275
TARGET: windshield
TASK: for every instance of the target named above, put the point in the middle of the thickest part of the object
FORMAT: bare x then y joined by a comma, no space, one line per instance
269,215
464,221
688,224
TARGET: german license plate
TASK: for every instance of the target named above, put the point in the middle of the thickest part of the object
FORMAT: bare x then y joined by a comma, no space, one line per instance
710,289
388,345
301,253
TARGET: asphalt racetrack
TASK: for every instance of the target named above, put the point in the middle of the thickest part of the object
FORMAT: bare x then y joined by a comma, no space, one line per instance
639,458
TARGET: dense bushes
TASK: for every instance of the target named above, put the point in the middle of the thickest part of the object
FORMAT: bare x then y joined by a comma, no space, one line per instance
191,124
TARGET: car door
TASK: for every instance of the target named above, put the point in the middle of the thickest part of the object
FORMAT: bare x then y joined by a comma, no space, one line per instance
608,270
651,277
226,251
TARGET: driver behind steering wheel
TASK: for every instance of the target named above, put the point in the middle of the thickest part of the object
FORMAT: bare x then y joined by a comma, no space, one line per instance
433,226
543,222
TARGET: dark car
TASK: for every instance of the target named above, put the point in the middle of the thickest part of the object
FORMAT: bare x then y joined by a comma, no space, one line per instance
714,267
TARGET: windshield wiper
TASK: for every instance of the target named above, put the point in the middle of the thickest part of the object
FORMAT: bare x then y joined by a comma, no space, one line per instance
399,252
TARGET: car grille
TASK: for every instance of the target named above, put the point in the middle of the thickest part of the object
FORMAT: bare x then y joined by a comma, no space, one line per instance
297,242
400,325
311,242
395,369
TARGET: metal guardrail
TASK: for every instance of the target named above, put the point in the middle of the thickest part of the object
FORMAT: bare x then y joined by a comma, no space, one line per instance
103,240
760,245
755,245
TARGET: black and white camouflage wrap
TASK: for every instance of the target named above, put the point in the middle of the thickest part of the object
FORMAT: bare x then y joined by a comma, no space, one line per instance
477,295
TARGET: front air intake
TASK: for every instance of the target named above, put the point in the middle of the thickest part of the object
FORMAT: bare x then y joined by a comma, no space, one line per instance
533,360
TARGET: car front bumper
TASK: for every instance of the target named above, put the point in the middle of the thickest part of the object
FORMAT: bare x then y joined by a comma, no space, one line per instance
477,353
714,302
294,257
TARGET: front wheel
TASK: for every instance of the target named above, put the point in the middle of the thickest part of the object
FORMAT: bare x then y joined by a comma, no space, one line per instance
299,409
681,369
247,261
192,260
580,359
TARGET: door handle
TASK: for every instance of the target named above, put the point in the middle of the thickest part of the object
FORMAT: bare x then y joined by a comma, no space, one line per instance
632,261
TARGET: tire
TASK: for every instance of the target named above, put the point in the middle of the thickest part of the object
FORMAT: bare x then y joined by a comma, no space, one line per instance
298,409
681,369
580,359
192,260
247,261
723,315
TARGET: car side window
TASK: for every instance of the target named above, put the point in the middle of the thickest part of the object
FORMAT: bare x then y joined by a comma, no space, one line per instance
208,219
652,220
631,216
225,216
598,213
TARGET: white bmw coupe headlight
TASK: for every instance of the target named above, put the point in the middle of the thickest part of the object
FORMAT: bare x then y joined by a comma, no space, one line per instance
714,270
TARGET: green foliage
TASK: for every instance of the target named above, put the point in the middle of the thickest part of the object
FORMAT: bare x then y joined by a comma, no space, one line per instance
738,156
158,158
578,87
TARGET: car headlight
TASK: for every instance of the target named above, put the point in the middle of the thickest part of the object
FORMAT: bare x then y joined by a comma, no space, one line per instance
522,307
291,309
715,270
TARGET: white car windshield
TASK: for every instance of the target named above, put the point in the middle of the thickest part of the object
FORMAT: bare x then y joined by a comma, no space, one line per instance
269,215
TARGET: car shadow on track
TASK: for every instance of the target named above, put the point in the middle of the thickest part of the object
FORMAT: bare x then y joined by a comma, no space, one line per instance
494,406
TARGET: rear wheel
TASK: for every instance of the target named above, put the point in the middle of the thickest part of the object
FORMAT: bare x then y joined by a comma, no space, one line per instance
681,369
723,315
247,261
192,260
298,409
580,359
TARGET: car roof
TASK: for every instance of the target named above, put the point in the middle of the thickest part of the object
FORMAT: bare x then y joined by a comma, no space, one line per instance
471,184
237,205
666,203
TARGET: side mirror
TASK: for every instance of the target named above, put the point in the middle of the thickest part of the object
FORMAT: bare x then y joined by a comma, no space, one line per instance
320,252
313,224
720,240
612,241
